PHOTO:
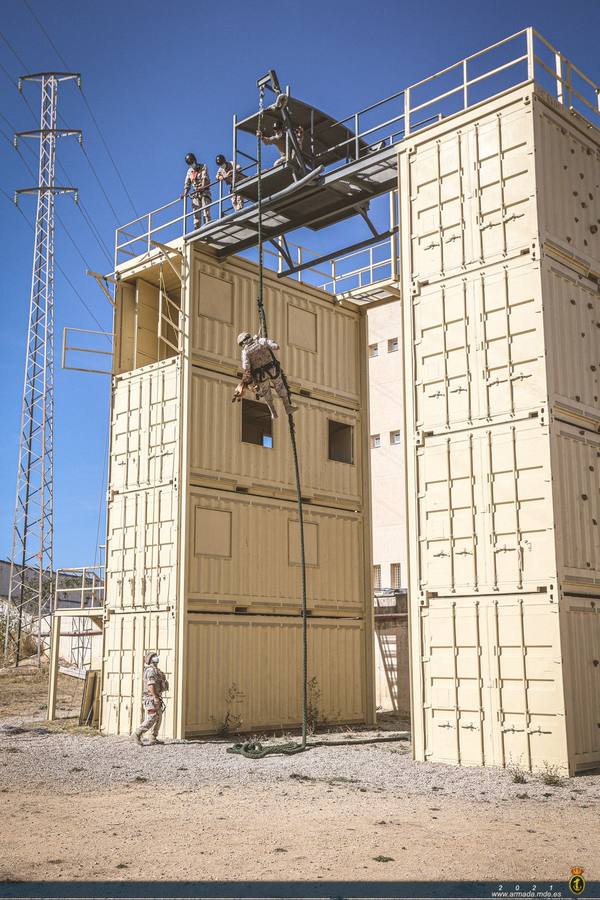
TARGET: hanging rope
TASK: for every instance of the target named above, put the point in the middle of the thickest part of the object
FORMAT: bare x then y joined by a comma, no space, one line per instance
254,749
262,319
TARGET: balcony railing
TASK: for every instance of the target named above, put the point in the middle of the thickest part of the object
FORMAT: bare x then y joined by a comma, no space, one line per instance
514,61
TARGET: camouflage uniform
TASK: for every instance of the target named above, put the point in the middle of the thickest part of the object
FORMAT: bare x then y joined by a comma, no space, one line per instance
225,173
198,180
259,364
153,716
279,140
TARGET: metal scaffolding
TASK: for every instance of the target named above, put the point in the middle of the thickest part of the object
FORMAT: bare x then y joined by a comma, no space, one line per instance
30,597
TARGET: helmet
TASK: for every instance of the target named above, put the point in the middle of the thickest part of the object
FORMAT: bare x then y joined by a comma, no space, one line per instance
149,656
190,159
243,336
220,159
282,100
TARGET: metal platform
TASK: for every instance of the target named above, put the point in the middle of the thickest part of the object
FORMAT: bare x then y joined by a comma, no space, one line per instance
352,161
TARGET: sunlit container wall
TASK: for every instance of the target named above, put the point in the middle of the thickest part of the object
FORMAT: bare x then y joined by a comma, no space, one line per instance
203,553
500,262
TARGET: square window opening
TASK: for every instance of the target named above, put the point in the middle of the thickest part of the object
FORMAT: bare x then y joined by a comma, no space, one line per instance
393,345
257,424
377,578
375,441
373,350
395,437
396,576
341,441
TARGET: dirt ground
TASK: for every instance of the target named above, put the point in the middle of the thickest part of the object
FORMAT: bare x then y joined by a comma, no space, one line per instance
102,808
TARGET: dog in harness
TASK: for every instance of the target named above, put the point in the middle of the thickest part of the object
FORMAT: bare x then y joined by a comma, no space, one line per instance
262,372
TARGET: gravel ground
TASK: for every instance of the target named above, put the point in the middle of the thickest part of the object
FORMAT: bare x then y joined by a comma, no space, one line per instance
365,812
77,762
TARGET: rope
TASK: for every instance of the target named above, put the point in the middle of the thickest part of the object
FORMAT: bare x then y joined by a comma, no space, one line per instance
262,319
254,749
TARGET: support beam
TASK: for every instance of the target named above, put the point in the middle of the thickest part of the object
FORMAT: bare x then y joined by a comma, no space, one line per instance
53,674
381,236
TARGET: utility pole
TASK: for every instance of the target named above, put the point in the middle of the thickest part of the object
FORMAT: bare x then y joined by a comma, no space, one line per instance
31,584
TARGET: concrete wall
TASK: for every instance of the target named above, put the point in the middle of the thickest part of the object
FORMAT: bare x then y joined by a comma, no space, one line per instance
387,461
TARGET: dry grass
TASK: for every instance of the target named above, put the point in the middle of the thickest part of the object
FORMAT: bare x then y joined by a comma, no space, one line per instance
24,692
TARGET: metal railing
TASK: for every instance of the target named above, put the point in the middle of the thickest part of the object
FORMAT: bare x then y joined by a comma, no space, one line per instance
79,588
514,61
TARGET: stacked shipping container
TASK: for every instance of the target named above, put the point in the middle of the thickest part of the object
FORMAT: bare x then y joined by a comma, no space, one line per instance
203,545
500,261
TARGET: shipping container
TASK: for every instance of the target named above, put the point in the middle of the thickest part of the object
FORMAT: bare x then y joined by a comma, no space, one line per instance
320,338
484,514
127,637
489,687
202,511
468,190
244,673
244,552
242,448
567,160
501,340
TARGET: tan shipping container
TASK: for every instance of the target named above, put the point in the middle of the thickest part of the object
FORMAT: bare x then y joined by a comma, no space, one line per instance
244,673
220,455
320,338
501,356
127,637
244,552
199,519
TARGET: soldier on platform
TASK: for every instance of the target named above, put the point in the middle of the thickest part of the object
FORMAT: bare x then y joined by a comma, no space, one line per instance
225,173
278,139
155,684
262,371
197,185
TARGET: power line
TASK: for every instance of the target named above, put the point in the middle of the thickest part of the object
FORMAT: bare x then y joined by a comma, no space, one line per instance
86,216
13,51
58,266
101,186
89,108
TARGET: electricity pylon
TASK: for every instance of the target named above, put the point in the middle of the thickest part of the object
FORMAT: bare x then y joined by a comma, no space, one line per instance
30,597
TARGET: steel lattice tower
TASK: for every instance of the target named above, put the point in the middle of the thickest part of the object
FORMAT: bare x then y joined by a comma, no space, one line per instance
31,573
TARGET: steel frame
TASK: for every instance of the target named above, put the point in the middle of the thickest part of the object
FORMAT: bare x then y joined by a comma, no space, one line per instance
401,113
31,573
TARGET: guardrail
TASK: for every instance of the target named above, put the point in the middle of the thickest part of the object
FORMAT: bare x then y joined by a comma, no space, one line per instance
79,588
516,60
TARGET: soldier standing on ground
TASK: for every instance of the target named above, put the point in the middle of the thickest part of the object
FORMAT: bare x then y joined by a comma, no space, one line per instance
262,369
197,185
155,683
225,173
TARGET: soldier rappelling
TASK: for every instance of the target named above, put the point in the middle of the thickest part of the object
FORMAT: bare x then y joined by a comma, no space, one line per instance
262,371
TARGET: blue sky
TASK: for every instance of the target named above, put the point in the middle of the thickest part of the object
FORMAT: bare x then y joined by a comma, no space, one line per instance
163,79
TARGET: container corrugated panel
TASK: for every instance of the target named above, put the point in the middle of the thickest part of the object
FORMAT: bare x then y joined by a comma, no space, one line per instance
568,180
580,631
492,686
484,510
319,339
243,673
576,486
572,328
218,454
145,427
471,190
141,554
479,347
244,551
127,637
